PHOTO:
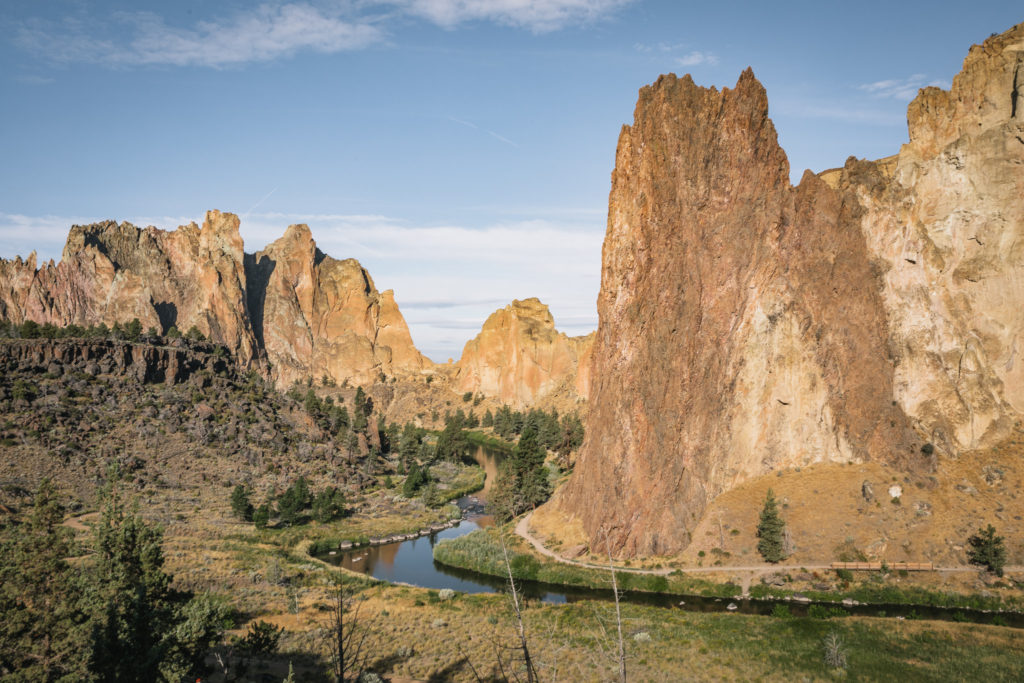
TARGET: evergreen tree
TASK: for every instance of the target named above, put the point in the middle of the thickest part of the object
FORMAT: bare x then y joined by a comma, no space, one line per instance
359,422
293,501
770,531
488,420
133,330
42,632
240,505
328,505
987,550
452,443
522,482
413,481
261,516
143,630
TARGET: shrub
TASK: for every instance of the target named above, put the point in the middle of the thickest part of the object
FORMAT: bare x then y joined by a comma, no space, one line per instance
262,638
835,651
781,611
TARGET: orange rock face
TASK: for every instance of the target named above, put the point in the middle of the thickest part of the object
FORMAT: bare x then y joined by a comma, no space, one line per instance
315,314
289,310
519,357
748,326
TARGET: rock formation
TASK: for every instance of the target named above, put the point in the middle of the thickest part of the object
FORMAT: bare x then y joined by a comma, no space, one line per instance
288,310
748,326
519,357
313,313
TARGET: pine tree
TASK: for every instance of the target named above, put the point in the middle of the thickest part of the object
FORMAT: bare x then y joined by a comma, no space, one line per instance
42,630
522,482
987,550
240,505
261,516
328,505
771,531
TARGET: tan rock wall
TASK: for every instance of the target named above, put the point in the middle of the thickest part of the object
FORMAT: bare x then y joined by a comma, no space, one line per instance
748,326
519,357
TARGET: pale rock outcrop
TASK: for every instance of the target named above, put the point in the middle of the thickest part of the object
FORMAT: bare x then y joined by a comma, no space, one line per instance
315,314
519,357
748,326
946,226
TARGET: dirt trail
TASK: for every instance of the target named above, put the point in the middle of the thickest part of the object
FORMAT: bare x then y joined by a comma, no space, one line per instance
522,529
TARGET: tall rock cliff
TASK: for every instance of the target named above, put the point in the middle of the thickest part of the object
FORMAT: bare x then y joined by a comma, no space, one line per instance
304,313
748,326
313,313
519,357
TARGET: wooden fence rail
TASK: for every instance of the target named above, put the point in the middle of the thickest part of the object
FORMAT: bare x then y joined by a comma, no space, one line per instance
877,566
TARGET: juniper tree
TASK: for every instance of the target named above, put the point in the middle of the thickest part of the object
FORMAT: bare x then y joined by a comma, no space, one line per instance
771,531
240,505
42,632
987,550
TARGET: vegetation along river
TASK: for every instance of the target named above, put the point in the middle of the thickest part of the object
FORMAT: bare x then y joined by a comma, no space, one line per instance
412,562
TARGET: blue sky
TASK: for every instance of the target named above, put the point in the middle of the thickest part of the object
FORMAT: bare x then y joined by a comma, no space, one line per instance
460,149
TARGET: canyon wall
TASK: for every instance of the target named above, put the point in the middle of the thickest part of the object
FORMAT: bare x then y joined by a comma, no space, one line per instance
289,310
748,326
519,357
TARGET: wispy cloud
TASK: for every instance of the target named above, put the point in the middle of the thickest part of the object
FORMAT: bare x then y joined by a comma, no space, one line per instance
277,29
265,33
690,57
470,124
901,88
540,16
694,58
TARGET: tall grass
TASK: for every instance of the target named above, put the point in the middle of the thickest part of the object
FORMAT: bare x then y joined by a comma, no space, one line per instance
480,551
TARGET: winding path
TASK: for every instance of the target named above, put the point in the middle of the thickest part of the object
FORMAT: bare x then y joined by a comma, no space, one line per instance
522,529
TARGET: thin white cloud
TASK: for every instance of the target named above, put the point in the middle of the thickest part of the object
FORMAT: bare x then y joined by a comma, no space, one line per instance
470,124
447,278
696,57
266,33
276,29
539,16
904,89
649,48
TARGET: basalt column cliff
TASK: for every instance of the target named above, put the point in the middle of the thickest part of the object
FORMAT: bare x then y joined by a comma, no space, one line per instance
748,326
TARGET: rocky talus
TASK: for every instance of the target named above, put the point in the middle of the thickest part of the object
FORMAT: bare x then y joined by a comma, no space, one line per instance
748,326
519,357
289,310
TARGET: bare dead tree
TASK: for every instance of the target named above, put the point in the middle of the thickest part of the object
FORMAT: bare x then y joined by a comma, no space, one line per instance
618,612
346,634
531,673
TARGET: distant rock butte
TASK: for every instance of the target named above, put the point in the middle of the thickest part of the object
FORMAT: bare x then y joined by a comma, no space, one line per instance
519,357
289,309
748,326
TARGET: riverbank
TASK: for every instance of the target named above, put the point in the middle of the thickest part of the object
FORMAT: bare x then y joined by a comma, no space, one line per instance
481,552
489,441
